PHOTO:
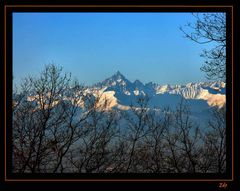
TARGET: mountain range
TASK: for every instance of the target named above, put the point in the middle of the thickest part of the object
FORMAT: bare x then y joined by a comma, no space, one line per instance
200,96
122,94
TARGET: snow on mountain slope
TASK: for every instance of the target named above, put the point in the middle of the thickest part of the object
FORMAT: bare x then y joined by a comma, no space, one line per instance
119,93
122,93
200,97
111,99
212,92
126,92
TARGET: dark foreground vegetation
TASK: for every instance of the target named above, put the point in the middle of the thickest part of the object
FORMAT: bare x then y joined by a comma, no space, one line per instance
60,127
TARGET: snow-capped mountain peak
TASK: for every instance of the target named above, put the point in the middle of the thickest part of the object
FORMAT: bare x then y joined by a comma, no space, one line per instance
117,79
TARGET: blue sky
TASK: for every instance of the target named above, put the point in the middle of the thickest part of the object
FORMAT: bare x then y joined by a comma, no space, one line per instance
93,46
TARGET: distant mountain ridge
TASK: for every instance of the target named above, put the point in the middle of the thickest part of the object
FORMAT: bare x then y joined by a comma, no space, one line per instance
125,91
121,94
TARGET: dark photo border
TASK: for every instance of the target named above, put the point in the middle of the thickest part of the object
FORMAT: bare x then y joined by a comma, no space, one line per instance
211,181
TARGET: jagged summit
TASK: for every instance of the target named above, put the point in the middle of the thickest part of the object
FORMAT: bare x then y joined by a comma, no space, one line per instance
118,75
117,79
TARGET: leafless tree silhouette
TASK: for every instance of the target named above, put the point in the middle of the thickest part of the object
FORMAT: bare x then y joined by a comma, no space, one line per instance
60,127
210,28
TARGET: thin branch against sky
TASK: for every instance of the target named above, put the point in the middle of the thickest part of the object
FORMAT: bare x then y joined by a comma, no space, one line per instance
93,46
